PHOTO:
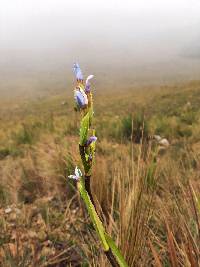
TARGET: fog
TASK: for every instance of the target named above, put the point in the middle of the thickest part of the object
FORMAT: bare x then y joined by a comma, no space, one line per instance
135,41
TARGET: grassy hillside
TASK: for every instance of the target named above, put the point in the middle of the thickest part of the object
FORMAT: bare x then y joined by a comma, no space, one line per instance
43,221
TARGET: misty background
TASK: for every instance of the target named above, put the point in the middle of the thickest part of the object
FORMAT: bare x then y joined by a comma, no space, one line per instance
122,42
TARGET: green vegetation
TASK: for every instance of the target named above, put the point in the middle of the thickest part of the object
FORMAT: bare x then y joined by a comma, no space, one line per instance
134,127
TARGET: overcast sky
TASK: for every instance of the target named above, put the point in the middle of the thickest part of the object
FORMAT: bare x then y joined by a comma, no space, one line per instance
57,32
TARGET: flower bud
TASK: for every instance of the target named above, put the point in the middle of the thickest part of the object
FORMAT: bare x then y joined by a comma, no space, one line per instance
91,140
78,72
77,174
80,98
87,84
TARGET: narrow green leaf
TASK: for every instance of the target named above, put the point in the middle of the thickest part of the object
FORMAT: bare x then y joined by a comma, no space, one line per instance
84,129
150,176
116,252
93,215
93,147
91,108
90,114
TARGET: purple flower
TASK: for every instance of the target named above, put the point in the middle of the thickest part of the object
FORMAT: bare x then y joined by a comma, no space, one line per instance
87,83
77,72
87,88
91,140
77,174
80,98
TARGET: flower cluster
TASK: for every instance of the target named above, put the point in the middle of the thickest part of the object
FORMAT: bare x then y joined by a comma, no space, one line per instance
83,100
81,92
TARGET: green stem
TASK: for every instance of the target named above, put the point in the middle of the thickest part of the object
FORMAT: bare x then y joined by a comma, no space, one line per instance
113,254
110,249
88,189
93,215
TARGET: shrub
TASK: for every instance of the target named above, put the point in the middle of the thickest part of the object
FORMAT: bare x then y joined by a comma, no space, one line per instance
189,117
135,127
184,131
163,127
30,131
32,186
10,151
127,126
4,152
25,135
4,195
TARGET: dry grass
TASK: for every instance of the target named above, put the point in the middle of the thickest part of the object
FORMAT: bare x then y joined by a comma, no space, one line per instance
152,214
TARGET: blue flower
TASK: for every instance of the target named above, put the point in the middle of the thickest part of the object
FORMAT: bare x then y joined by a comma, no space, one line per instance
91,140
87,83
77,72
80,98
87,88
77,174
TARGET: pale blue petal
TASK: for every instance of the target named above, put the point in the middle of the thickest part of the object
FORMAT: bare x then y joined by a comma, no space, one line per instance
74,177
77,71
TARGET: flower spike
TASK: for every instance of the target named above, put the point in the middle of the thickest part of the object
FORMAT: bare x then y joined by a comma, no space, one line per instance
83,99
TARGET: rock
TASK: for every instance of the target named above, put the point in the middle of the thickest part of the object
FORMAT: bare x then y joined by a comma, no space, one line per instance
164,142
157,137
8,210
